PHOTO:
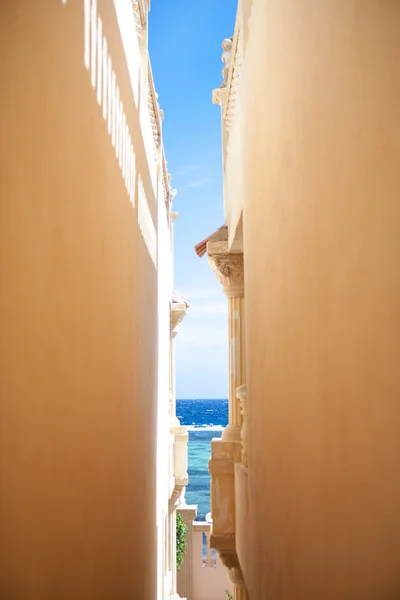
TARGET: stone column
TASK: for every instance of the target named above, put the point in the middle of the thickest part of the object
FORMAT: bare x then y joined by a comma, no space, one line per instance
228,268
185,575
239,587
178,312
172,400
173,505
240,590
179,465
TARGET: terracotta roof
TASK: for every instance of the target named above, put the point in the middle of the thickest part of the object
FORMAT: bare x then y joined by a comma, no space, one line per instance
218,236
177,299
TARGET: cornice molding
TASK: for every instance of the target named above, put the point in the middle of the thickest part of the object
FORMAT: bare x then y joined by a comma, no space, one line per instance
218,96
177,314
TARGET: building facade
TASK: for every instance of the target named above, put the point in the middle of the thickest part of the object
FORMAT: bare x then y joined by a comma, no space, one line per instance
89,456
305,480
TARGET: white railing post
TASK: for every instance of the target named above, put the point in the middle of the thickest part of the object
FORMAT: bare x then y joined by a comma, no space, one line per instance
209,558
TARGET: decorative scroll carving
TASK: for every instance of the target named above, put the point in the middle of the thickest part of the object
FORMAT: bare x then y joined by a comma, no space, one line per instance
227,94
140,9
154,115
228,268
234,77
138,17
165,183
154,109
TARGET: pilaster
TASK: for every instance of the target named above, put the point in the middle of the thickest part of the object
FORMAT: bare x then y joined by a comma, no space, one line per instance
228,269
177,314
232,447
179,436
174,502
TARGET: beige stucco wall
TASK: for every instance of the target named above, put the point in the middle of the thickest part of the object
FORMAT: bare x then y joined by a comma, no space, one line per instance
322,278
78,323
210,582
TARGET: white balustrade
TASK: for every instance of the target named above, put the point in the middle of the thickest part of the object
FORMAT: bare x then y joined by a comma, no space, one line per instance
208,577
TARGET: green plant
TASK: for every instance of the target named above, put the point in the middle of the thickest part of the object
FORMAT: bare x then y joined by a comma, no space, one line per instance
229,595
181,541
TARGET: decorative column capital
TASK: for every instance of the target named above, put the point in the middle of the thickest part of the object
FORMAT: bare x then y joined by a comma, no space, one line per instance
188,512
228,268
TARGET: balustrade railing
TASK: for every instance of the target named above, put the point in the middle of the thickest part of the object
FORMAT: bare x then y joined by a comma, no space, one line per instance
208,554
205,578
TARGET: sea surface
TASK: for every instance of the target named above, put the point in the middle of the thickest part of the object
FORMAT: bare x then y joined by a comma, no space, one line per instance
205,420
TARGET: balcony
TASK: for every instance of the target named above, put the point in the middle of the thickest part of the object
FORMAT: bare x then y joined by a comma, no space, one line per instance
202,576
179,460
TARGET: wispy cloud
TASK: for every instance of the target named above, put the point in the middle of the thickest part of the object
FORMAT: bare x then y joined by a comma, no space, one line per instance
210,309
198,183
202,293
186,170
200,336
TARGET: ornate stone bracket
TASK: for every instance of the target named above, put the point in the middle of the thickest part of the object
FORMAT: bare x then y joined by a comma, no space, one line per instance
179,459
228,268
178,312
175,498
225,546
218,96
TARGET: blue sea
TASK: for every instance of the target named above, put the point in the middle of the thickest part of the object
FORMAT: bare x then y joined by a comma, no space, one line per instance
205,420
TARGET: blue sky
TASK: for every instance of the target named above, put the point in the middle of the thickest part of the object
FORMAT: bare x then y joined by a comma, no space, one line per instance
185,49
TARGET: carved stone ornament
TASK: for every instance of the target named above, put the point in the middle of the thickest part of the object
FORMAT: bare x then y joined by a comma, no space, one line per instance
175,498
236,575
226,59
218,96
177,314
230,560
228,268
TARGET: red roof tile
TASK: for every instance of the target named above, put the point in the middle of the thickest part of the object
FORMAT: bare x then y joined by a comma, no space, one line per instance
177,299
218,236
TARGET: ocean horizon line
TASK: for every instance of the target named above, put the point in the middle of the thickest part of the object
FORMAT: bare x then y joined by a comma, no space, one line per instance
194,399
205,419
